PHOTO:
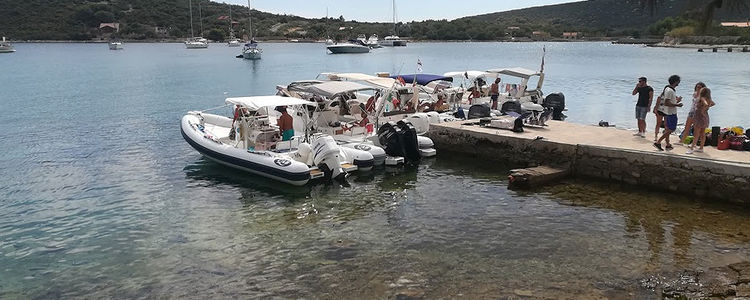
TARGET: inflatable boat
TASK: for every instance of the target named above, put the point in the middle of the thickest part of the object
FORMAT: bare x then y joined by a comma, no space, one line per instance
250,142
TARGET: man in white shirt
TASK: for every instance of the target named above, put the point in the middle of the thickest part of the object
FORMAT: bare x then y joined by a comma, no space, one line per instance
668,106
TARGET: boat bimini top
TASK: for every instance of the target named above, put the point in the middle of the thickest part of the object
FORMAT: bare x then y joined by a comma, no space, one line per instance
516,72
331,89
422,79
381,82
257,102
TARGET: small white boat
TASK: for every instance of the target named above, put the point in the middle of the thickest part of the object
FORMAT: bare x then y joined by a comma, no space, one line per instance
196,43
393,41
251,51
353,46
6,47
234,43
251,143
115,46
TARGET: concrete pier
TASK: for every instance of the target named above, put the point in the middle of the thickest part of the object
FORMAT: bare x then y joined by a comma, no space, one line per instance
606,153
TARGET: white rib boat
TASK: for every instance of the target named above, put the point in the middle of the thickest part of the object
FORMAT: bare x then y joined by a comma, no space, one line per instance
251,143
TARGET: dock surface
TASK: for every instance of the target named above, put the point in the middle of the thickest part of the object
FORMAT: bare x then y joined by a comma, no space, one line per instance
608,153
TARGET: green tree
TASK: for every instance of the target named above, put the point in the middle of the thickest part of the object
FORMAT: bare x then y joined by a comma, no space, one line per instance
215,34
706,12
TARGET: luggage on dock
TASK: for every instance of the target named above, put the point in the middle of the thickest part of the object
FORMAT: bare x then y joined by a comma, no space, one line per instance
737,142
715,131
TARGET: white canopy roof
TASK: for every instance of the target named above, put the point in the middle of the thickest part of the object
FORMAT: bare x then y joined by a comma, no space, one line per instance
517,72
329,89
257,102
471,74
384,82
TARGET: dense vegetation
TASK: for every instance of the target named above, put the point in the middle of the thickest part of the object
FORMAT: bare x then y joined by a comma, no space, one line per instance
80,19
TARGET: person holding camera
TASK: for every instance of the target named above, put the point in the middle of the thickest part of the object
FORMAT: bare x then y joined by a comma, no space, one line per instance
645,97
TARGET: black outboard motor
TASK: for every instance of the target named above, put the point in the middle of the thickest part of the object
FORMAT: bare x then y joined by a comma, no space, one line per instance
511,106
390,138
400,139
556,102
477,111
409,137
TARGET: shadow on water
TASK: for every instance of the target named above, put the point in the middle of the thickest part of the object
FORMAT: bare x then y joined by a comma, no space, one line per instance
667,221
211,174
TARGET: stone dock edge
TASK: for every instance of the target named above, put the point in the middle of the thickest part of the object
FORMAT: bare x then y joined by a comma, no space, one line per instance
702,178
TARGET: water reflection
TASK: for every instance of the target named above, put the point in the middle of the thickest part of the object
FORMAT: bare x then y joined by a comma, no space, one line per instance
676,228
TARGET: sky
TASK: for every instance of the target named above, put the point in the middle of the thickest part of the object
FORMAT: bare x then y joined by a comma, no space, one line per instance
380,10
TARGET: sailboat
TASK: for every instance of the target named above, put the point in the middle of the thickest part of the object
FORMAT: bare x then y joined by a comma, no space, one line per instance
233,40
6,47
393,40
251,50
195,42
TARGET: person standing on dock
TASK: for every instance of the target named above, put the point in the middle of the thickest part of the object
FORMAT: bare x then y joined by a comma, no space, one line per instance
689,121
645,98
669,105
495,92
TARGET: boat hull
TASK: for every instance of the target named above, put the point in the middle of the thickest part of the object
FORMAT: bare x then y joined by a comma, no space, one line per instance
348,49
279,168
252,55
115,47
196,45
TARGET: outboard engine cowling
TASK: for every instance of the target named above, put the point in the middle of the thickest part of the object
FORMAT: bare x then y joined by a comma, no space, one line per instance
326,155
477,111
411,143
511,106
556,102
399,139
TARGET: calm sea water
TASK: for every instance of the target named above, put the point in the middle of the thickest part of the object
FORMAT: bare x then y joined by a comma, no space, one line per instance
101,197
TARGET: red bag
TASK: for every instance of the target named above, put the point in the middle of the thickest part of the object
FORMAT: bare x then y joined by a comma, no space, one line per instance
723,144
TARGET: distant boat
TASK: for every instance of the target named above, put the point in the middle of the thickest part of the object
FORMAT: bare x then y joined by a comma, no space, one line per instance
372,42
195,42
115,46
393,40
6,47
353,46
233,41
251,50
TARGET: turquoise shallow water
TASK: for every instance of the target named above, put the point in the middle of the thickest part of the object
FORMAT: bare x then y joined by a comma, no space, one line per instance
101,197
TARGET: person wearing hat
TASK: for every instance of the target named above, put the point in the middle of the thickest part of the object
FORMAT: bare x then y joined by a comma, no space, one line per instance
643,106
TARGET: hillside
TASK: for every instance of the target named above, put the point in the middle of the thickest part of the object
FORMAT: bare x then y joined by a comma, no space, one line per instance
602,15
169,19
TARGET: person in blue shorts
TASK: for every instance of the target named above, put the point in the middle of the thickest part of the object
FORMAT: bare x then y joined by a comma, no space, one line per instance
669,104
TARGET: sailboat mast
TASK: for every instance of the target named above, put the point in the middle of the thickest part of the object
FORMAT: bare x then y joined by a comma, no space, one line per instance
192,34
393,6
200,17
250,19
